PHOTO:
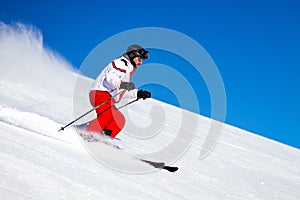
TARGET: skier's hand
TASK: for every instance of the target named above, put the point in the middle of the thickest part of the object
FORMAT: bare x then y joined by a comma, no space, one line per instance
127,85
143,94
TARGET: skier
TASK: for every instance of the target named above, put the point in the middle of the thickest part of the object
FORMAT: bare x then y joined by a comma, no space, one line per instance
113,84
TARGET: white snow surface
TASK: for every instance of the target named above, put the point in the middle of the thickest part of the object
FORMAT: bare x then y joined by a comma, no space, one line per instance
38,94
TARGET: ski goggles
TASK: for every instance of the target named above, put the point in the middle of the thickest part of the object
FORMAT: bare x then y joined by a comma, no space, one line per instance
142,54
140,59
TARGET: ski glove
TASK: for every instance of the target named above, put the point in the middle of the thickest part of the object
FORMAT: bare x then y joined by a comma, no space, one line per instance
127,86
143,94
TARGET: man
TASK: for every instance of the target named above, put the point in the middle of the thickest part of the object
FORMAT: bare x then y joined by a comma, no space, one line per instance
113,84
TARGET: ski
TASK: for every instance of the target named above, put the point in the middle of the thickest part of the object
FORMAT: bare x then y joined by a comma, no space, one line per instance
92,137
160,165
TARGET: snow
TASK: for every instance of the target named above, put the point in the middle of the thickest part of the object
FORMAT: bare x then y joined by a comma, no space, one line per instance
39,93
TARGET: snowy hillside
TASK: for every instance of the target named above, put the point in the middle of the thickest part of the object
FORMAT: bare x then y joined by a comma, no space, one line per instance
39,93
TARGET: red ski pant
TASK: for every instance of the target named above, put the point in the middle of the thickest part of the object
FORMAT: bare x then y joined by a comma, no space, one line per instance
108,117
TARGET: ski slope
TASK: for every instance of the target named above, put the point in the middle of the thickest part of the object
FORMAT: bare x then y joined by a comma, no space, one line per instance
37,92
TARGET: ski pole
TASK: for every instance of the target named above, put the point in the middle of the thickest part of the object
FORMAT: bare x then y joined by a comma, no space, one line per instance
128,103
63,128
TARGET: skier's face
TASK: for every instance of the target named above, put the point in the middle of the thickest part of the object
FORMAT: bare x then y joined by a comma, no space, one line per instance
138,61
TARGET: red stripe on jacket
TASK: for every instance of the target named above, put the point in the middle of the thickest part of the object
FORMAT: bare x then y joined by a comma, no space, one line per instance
114,66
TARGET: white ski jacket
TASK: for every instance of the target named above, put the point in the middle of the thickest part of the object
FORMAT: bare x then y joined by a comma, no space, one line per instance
119,70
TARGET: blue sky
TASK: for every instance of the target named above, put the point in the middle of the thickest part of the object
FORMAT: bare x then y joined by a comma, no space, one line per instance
254,44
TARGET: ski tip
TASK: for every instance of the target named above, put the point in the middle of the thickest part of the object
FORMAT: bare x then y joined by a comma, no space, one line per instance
170,168
160,165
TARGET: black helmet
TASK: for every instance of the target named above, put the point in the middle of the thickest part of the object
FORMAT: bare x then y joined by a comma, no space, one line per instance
136,50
